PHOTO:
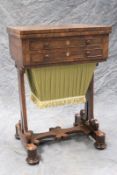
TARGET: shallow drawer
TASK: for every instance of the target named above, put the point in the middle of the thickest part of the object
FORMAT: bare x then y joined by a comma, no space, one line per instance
94,52
64,55
68,42
56,55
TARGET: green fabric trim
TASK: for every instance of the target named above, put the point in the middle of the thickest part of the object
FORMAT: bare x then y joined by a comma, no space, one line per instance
58,85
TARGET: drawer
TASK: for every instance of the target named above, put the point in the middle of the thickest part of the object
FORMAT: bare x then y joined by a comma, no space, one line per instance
69,42
55,43
56,55
37,46
67,49
93,52
65,55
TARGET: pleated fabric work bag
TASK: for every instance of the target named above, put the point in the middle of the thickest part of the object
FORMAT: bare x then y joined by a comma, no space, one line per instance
60,85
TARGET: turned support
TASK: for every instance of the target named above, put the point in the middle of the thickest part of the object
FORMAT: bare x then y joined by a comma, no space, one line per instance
89,105
21,85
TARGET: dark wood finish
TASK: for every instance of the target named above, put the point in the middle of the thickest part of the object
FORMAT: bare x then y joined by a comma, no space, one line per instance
22,100
89,101
32,140
37,52
36,46
60,30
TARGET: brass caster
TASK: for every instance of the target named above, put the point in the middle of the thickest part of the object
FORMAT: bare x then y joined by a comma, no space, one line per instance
33,161
100,146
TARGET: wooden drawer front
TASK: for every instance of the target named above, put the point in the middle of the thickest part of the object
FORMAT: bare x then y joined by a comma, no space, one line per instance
65,55
68,42
94,53
56,55
54,44
69,50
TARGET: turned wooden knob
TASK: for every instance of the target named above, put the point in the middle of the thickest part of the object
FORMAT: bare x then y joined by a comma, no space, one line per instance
67,54
88,52
88,41
46,56
67,42
46,45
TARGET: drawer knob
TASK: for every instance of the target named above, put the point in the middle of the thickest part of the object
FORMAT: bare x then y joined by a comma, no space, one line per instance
88,41
67,42
88,52
46,56
67,54
46,44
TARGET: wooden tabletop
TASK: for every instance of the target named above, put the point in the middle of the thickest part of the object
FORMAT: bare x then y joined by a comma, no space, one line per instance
40,29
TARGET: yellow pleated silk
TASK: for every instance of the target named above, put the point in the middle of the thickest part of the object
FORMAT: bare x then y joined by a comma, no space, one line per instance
59,85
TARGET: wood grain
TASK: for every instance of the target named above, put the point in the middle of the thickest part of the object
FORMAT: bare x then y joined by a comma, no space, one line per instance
35,46
63,49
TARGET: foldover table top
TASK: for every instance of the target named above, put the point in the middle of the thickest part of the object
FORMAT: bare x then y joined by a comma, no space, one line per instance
40,29
39,45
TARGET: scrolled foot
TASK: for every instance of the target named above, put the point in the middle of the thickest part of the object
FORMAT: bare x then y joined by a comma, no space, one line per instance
33,158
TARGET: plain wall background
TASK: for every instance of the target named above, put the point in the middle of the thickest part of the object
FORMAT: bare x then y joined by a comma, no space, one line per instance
70,157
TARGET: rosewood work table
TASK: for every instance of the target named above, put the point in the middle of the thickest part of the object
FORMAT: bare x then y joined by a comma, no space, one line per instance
40,46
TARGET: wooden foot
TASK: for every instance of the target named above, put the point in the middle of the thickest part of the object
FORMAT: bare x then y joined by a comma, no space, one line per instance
93,126
31,140
33,158
100,140
98,135
26,139
100,146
